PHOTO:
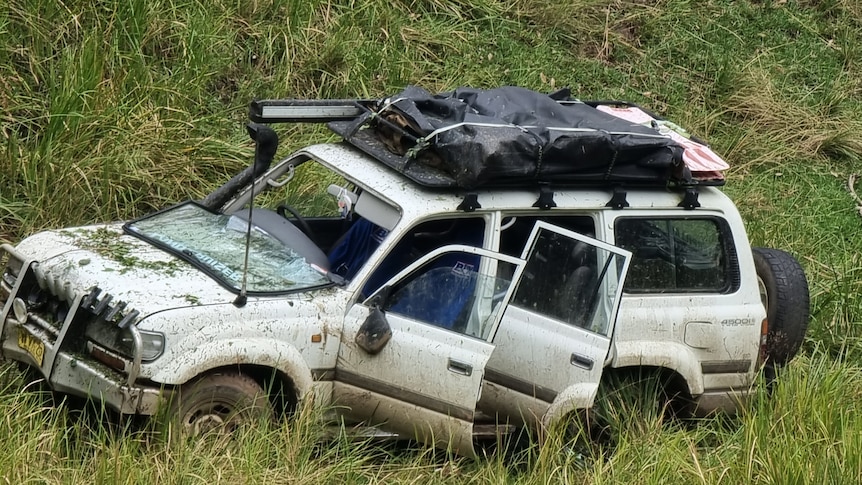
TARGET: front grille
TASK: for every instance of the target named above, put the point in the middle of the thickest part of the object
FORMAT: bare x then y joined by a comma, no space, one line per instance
49,300
111,337
45,310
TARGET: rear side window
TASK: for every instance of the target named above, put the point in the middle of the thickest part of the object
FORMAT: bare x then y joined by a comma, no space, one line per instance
673,255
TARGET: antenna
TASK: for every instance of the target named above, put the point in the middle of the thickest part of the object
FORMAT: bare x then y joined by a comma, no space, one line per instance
265,145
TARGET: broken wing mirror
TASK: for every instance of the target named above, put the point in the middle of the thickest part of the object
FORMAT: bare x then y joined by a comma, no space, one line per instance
374,333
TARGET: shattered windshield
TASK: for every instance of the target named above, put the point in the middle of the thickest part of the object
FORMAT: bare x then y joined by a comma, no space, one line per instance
216,243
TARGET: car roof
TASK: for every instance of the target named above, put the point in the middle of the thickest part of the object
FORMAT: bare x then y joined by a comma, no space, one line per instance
414,200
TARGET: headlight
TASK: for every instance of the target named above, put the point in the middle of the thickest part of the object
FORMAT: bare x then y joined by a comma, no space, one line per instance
152,343
119,340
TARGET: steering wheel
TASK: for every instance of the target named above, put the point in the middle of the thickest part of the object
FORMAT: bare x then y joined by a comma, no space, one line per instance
284,208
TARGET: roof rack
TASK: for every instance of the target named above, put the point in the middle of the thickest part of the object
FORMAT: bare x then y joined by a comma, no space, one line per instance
349,117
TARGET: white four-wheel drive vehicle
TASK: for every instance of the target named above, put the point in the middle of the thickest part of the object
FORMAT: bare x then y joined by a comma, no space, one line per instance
405,298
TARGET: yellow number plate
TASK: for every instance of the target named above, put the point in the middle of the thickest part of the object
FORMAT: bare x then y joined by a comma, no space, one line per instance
31,344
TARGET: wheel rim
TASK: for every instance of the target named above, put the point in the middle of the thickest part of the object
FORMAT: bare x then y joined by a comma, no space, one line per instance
764,295
215,416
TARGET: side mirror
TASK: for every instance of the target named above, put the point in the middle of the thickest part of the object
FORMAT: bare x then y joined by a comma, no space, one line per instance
374,333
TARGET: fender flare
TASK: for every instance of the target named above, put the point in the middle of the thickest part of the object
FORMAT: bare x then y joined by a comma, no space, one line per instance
574,397
667,355
250,351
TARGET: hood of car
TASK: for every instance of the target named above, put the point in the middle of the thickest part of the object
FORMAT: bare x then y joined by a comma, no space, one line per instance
129,269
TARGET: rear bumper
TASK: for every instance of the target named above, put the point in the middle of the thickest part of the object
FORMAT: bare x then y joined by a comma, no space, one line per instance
727,401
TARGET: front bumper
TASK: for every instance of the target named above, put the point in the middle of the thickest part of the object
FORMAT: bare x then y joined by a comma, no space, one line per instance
56,347
82,377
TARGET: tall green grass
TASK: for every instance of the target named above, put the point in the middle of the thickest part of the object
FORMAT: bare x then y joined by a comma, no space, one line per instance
807,431
109,109
113,108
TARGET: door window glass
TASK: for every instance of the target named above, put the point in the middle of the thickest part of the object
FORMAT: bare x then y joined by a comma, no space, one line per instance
421,240
571,281
458,291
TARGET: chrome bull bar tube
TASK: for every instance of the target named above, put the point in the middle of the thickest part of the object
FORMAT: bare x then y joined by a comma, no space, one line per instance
12,251
138,349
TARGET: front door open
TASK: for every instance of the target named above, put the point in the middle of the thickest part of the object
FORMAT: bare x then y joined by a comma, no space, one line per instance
426,380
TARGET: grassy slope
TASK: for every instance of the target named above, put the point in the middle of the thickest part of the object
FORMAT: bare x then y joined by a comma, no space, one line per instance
109,109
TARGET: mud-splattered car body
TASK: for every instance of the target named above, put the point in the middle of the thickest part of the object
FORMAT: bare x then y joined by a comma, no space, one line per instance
120,315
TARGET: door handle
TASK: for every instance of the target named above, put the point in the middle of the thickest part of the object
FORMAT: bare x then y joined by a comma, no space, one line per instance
582,361
461,368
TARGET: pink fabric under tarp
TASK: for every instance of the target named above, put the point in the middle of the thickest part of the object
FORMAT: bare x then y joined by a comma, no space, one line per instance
704,163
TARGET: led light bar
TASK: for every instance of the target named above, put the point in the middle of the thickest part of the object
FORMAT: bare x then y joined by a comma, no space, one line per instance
305,110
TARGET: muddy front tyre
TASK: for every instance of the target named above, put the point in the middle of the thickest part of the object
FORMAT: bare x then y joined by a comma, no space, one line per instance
784,293
218,402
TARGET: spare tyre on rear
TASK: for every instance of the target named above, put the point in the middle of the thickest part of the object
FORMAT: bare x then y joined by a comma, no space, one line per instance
784,292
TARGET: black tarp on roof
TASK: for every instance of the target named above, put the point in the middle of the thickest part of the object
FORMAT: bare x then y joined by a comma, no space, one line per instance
511,136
